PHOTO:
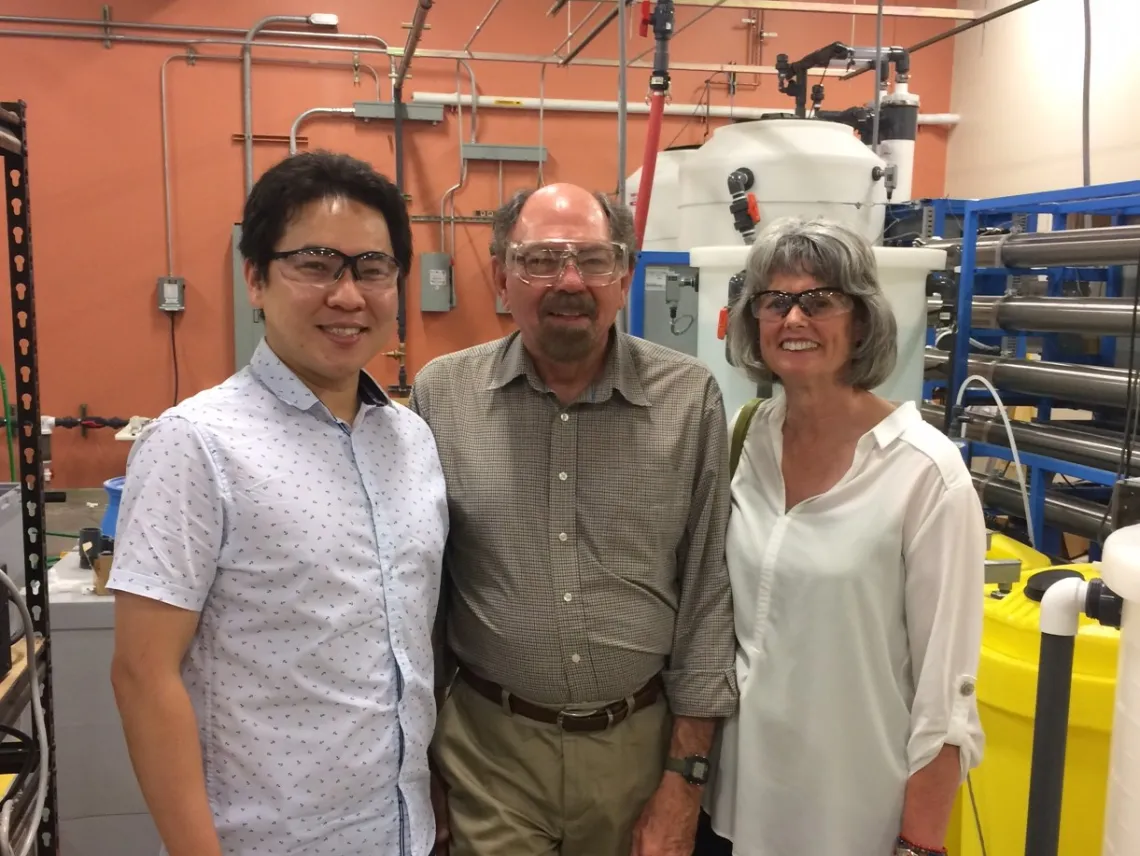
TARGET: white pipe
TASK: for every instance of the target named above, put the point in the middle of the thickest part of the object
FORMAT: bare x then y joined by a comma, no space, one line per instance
1062,607
452,99
1120,569
314,111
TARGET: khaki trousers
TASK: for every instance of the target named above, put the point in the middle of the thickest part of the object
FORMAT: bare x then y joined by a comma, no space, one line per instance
517,787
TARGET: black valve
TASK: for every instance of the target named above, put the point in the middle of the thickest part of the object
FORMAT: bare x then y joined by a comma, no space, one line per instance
743,208
1103,604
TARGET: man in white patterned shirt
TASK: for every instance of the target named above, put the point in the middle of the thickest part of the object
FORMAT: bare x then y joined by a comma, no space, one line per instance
278,555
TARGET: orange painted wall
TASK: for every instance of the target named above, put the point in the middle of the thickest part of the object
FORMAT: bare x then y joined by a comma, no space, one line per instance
96,169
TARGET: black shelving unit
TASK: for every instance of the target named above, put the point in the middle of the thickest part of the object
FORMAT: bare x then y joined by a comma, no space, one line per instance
14,147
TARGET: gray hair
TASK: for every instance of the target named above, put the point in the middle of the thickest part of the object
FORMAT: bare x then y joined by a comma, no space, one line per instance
836,256
619,216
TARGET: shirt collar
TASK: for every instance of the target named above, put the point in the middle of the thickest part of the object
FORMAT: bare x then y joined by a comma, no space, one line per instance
284,383
889,429
892,427
619,372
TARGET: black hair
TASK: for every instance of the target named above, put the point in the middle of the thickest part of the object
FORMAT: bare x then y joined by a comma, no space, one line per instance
290,185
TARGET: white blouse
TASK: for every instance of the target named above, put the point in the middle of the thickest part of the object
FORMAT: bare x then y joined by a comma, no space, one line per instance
858,621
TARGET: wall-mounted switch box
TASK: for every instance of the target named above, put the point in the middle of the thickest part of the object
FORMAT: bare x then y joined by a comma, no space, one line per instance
171,293
437,290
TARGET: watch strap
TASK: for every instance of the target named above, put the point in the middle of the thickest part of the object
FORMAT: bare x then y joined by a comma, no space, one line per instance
694,769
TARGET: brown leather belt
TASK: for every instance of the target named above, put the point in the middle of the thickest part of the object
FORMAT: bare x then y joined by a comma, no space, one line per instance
567,720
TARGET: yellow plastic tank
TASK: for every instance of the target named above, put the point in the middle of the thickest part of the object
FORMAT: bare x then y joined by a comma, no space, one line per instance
1001,547
1007,692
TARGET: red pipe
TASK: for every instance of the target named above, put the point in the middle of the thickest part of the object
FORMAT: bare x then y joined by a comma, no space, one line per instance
649,166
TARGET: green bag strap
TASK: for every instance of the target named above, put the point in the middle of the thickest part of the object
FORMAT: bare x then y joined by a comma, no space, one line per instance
740,431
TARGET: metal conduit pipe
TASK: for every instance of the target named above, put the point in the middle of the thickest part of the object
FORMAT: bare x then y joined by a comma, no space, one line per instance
1067,513
1067,444
318,20
1110,245
594,33
192,43
1085,384
104,26
413,41
1104,316
314,111
162,101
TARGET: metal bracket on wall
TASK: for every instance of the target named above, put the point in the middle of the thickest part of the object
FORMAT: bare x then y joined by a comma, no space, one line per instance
368,110
511,154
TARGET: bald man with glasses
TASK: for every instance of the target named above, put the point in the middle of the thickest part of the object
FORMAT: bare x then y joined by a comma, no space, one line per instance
586,634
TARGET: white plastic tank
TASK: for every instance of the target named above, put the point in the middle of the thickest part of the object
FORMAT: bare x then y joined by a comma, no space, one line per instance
802,168
902,274
662,227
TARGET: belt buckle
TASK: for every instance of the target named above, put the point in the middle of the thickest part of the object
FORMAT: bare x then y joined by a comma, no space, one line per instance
585,714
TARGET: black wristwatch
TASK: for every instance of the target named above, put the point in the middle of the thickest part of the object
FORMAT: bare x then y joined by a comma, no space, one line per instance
693,768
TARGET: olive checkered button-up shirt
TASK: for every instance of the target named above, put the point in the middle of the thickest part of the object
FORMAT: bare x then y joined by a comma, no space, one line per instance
586,551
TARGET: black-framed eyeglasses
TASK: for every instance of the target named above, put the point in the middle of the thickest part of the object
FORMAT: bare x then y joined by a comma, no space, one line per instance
814,303
323,266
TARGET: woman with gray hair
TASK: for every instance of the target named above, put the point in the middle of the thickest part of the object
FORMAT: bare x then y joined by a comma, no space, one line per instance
856,550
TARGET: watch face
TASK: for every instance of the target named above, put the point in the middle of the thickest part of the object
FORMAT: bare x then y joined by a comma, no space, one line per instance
699,770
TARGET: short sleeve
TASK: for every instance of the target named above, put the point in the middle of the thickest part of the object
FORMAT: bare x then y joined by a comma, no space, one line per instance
171,517
945,570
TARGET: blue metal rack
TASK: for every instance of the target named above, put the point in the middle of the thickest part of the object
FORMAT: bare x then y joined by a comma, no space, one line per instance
1116,201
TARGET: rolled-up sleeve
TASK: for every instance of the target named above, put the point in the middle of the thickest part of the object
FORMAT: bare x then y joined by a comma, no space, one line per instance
171,517
700,680
945,568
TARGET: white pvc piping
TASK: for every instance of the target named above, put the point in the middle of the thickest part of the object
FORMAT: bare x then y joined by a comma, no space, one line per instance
1062,607
576,105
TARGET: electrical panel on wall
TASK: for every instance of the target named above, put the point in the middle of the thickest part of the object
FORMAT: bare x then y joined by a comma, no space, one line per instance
437,288
248,324
171,294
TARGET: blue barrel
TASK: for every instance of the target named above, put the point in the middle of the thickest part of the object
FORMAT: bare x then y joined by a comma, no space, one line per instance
114,488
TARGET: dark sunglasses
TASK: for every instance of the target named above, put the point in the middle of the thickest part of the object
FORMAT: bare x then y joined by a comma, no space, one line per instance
814,303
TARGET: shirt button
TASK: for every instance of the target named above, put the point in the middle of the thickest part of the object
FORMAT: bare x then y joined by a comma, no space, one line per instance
562,476
575,658
565,417
562,536
568,597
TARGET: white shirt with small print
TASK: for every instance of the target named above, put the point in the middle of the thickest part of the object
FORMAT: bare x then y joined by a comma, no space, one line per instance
313,551
858,618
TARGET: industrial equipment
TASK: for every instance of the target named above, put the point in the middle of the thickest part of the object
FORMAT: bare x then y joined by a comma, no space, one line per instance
889,126
1041,316
31,812
745,175
802,167
662,226
1007,685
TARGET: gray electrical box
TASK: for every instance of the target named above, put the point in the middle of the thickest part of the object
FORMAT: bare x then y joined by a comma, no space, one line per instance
248,324
666,284
171,293
437,291
501,307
